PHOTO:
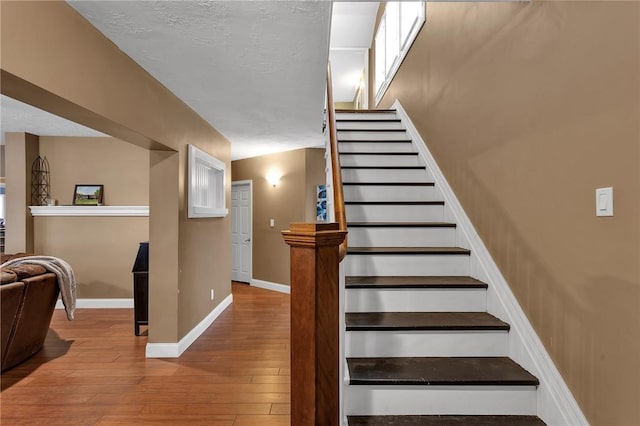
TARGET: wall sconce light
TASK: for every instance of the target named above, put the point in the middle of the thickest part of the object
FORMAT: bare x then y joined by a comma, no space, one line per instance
273,177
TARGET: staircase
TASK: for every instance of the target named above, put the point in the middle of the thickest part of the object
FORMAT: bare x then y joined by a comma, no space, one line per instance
421,348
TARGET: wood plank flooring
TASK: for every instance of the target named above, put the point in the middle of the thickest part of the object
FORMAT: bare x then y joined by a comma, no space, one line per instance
92,371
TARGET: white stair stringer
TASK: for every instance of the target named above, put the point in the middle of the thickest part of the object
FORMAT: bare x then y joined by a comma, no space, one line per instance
390,193
398,236
360,212
366,116
555,404
390,400
406,264
407,343
415,300
389,123
386,175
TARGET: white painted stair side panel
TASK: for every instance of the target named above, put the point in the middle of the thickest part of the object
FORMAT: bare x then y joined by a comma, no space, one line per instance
415,300
391,193
366,116
379,160
399,146
378,236
371,343
372,136
364,125
386,175
405,400
406,264
394,213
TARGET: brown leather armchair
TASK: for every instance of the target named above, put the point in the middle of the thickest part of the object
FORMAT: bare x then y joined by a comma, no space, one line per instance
28,295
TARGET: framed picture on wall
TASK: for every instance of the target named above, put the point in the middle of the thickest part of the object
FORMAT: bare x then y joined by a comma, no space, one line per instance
88,195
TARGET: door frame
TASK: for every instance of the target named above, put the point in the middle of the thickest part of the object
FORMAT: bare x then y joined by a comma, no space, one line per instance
248,182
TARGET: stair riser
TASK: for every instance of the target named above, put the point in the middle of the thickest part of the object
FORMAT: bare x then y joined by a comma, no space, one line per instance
425,343
391,193
376,147
366,116
403,264
415,300
380,160
399,400
401,237
394,213
373,136
372,125
386,175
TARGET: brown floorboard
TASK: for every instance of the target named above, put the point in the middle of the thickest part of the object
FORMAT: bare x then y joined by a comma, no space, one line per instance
93,371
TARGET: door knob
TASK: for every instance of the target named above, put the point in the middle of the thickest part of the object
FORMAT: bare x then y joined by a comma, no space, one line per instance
247,240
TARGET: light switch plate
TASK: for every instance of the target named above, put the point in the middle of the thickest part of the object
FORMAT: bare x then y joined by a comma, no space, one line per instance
272,222
604,201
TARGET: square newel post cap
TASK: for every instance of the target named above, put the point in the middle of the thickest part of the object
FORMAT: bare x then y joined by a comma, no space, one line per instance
307,234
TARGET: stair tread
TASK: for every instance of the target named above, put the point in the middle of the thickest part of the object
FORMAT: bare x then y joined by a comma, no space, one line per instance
399,203
439,371
385,321
402,224
375,141
389,183
408,250
385,167
413,282
371,130
445,420
395,120
364,111
379,153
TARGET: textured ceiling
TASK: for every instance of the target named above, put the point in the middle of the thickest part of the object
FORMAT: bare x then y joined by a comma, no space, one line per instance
20,117
254,70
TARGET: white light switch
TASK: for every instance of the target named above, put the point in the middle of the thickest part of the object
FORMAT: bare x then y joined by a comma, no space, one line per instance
604,201
272,222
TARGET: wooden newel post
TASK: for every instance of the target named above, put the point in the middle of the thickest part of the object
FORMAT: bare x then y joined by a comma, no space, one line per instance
315,334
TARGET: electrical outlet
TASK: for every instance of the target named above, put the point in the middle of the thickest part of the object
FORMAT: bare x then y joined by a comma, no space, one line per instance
213,294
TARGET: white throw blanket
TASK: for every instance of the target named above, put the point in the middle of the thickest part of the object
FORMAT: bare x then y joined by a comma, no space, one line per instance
66,278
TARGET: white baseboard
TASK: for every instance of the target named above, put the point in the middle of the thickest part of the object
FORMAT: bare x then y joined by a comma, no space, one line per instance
281,288
556,404
174,350
99,303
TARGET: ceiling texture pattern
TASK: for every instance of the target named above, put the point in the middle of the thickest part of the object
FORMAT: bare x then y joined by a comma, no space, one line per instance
254,70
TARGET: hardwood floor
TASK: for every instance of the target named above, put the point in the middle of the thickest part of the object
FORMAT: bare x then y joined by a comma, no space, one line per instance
93,371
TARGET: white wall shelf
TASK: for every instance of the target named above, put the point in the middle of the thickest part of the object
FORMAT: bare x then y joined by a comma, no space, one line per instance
89,210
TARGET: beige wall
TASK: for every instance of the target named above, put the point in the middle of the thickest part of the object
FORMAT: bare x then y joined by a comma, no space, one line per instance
121,167
21,149
2,162
87,79
528,108
292,200
101,250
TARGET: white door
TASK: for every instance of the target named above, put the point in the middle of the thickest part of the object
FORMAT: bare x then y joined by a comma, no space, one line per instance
241,231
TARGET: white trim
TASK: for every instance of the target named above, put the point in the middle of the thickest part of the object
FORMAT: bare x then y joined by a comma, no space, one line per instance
89,210
174,350
270,286
206,177
402,53
556,404
100,304
250,183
